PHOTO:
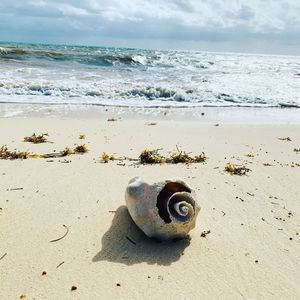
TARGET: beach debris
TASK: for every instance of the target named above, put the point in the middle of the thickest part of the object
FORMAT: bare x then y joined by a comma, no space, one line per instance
217,125
23,296
44,273
58,239
81,136
60,264
151,124
7,154
268,165
297,150
154,157
205,233
112,120
288,139
3,256
180,157
151,157
236,169
118,284
67,151
16,189
36,139
199,158
105,158
73,288
81,149
164,210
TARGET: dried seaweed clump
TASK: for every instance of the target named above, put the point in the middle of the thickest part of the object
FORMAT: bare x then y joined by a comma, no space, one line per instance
183,157
236,170
105,158
67,151
151,157
36,139
200,158
180,157
297,150
154,157
7,154
81,149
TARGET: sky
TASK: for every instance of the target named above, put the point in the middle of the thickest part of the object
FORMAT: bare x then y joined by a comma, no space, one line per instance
253,26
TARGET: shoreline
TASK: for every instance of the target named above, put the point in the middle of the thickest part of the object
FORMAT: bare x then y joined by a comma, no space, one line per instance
204,115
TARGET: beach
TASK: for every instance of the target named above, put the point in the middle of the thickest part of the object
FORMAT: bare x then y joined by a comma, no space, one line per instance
66,232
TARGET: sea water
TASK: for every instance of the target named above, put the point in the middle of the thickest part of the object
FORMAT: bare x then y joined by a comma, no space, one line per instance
56,74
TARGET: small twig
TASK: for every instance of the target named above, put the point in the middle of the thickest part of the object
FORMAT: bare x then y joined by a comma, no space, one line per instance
3,256
15,189
60,264
250,194
130,240
131,159
56,240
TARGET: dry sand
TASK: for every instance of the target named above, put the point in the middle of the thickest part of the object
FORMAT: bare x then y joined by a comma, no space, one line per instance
251,252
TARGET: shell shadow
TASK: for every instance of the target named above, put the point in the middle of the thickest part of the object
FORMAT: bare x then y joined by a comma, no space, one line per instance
125,243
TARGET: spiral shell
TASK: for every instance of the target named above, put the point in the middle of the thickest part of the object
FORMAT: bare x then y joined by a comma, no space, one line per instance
163,210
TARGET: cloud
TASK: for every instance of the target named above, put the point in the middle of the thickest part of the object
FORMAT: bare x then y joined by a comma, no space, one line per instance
206,21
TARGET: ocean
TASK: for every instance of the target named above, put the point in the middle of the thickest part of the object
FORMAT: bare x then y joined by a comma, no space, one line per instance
56,74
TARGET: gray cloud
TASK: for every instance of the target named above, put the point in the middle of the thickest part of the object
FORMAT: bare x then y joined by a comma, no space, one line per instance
178,23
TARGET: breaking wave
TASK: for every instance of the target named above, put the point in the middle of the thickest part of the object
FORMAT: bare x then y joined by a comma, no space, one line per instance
115,76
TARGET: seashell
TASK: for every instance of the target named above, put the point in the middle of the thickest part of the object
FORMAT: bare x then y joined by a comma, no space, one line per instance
163,210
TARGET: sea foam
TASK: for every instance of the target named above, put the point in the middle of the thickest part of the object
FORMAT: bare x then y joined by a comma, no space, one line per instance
135,77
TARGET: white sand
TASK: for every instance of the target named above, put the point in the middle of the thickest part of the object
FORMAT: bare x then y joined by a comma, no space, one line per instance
247,255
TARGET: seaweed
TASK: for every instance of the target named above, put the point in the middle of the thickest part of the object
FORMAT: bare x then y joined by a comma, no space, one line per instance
183,157
81,149
297,150
154,157
7,154
236,170
81,136
36,139
151,157
200,158
105,158
180,157
67,151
